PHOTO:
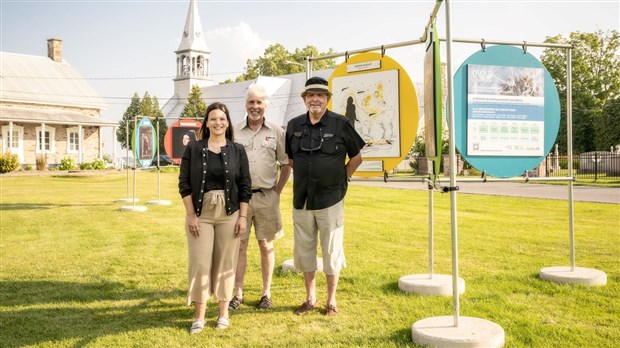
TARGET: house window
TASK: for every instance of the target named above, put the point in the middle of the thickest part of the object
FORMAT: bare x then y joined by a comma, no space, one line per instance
73,140
48,136
14,139
16,142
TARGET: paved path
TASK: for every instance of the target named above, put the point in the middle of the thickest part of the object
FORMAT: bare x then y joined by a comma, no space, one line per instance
546,191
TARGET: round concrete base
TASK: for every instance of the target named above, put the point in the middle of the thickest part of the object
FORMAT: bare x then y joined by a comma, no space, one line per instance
139,208
423,284
128,200
159,202
579,275
289,265
471,332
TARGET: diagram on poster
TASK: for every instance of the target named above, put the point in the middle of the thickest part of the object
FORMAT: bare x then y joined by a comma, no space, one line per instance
505,111
370,102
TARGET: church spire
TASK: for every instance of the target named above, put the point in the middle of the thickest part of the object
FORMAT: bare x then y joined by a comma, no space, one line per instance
193,37
193,56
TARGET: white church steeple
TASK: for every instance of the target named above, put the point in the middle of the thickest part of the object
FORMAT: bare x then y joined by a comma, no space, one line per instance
193,56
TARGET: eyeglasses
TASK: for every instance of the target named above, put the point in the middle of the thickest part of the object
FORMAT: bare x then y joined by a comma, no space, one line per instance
307,135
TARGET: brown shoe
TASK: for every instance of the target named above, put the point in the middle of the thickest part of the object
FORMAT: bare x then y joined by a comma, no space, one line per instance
331,311
305,308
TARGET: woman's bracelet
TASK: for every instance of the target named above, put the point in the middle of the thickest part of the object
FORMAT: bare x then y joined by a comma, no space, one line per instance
241,216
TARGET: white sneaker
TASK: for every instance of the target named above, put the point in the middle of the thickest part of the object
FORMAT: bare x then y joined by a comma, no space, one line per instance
222,323
197,326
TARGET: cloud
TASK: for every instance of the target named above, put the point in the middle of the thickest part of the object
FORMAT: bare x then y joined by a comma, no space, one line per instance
231,47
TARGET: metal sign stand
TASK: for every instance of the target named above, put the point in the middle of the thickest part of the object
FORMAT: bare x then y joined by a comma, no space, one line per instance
134,207
129,198
158,201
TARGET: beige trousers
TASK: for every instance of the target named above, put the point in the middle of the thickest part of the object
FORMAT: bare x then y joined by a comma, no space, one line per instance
212,257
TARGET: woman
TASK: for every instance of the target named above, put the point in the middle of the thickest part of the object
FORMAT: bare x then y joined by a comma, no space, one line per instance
215,185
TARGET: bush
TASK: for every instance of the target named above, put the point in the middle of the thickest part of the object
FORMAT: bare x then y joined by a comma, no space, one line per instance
28,167
41,162
86,166
8,162
98,164
67,163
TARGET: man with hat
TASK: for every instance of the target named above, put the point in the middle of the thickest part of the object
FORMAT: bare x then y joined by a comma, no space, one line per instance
317,144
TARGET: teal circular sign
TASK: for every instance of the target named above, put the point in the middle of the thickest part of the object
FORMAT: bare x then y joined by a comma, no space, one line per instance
144,142
506,111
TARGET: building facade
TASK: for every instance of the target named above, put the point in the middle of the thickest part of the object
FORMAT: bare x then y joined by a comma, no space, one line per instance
48,111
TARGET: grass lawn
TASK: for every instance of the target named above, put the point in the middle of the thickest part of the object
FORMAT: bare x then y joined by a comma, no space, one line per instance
75,271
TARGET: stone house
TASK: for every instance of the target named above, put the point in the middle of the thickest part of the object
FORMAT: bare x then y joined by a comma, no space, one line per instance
47,110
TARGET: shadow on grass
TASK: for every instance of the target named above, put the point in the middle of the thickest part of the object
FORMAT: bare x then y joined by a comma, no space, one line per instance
36,312
45,206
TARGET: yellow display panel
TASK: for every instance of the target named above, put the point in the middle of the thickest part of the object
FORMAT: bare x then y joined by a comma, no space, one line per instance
375,93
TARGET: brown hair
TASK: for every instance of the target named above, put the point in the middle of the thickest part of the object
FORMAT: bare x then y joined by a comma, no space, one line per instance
203,133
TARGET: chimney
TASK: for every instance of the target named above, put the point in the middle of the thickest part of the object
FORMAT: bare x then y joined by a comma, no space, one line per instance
54,49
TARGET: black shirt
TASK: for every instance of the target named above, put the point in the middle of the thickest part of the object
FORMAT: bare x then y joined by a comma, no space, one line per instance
318,152
215,172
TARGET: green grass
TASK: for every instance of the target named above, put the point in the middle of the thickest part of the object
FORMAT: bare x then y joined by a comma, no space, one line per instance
75,271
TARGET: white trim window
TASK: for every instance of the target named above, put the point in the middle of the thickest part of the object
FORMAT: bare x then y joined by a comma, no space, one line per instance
50,139
17,144
73,140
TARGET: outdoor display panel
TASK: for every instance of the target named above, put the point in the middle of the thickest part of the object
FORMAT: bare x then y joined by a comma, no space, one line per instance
178,135
433,101
375,93
144,141
506,111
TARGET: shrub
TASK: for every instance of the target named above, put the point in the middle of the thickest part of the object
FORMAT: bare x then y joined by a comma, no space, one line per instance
41,162
67,163
28,167
98,164
8,162
86,166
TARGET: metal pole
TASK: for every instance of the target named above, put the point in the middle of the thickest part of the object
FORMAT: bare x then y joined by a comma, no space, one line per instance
569,138
135,160
127,153
157,137
430,232
453,220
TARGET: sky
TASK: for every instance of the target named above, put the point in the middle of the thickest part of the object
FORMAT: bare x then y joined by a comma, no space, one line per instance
122,47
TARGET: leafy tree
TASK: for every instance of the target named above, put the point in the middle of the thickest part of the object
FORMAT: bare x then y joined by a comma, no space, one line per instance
146,107
595,82
195,107
122,133
609,135
273,62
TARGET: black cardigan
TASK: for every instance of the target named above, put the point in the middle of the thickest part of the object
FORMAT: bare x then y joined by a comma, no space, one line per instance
238,185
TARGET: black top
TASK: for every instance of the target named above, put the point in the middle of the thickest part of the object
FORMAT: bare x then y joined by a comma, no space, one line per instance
318,152
192,177
215,172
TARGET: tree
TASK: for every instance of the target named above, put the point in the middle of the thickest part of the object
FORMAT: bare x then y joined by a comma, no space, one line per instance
146,107
273,62
195,107
595,82
610,135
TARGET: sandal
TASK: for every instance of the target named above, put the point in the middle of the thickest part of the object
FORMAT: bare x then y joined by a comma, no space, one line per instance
235,302
197,326
305,308
264,303
331,311
222,323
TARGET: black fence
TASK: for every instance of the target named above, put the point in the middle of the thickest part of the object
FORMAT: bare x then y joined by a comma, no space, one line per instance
590,165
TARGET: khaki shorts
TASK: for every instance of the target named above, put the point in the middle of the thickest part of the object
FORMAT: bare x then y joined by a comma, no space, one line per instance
264,216
324,224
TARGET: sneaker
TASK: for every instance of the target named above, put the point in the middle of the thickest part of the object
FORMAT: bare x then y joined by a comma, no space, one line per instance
197,326
305,308
264,303
222,323
235,302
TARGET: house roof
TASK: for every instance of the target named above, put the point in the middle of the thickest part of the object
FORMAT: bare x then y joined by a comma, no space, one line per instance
51,116
27,79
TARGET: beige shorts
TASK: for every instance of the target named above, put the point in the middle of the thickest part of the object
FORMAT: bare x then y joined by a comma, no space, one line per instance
264,216
324,224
